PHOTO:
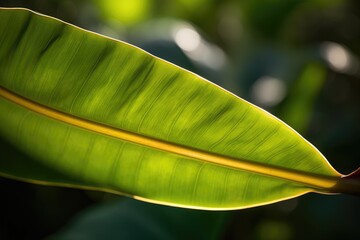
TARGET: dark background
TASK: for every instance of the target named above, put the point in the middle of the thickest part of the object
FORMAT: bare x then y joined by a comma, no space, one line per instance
298,59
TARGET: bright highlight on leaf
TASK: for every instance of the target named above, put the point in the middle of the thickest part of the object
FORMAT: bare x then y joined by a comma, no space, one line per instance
82,110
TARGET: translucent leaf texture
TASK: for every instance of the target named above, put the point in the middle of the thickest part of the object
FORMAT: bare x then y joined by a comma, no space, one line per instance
82,110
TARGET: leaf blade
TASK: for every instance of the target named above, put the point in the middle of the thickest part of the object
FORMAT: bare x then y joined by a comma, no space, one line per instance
112,84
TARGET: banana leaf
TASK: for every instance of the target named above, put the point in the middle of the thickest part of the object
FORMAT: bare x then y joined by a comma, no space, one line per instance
82,110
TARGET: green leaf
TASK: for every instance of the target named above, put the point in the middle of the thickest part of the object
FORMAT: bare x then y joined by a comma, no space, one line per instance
82,110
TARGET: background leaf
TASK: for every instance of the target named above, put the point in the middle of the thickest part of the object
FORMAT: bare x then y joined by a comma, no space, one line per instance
129,219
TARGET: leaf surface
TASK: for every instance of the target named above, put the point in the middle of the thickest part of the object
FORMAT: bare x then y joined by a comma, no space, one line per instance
83,110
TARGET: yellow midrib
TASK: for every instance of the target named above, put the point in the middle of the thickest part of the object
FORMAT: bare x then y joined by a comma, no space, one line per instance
317,182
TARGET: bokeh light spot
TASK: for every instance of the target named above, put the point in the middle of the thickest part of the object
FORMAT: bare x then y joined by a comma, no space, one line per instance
337,56
187,39
268,91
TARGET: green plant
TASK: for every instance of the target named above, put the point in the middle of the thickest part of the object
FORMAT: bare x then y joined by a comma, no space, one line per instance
82,110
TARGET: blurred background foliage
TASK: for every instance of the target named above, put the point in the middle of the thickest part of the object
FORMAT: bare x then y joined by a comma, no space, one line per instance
297,59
